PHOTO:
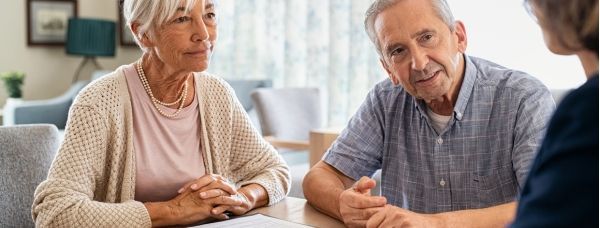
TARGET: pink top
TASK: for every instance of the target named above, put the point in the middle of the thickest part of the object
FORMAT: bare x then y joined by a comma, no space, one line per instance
168,151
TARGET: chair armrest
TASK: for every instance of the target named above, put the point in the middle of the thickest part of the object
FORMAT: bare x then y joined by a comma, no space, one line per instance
287,144
36,112
52,111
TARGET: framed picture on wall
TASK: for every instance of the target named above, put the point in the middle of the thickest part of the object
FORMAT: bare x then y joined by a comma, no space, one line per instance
125,36
47,21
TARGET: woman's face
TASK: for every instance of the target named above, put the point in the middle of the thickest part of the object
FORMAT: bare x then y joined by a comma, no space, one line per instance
186,41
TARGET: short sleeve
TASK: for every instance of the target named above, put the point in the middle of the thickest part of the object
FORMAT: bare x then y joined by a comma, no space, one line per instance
533,115
358,150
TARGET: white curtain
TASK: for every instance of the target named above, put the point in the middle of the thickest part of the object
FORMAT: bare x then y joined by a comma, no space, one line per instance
300,43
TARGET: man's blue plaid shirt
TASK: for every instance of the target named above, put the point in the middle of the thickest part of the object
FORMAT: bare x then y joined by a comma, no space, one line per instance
479,160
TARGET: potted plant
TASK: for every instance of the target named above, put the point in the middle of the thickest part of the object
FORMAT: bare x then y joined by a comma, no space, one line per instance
12,81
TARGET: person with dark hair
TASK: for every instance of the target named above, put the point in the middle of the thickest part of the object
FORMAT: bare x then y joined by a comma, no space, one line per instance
562,186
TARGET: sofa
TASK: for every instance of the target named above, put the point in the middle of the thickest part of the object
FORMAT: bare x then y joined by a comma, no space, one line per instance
26,152
50,111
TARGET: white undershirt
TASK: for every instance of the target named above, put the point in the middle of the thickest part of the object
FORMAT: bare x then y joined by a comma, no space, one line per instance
439,122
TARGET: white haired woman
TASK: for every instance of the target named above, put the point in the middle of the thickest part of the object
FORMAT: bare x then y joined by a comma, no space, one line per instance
155,143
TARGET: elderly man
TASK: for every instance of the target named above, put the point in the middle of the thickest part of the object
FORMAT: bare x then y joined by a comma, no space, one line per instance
454,135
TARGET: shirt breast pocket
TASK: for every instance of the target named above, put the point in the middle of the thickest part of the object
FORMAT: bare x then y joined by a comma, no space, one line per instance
491,189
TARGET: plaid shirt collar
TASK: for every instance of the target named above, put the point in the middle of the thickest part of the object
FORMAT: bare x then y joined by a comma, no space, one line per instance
464,95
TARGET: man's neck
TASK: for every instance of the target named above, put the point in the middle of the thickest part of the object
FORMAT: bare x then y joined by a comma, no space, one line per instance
444,105
441,106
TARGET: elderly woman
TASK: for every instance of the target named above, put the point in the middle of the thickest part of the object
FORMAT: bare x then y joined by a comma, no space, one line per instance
155,143
562,187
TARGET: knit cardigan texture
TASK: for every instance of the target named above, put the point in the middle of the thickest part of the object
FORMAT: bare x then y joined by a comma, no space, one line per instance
92,178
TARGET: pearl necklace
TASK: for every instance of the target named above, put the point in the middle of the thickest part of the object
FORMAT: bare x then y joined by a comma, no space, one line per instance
156,102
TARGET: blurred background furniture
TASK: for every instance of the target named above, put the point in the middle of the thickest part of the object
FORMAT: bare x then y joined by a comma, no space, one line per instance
243,88
319,142
51,111
26,152
55,110
286,117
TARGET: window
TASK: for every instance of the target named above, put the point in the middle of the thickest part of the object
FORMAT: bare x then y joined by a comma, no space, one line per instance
503,32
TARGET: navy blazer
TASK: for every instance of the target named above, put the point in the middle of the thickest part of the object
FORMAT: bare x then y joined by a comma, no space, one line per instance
562,186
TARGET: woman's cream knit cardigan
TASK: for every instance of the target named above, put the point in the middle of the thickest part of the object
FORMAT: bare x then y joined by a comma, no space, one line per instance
91,181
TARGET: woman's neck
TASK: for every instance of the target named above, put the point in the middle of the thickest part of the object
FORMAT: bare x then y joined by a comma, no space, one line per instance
589,61
165,81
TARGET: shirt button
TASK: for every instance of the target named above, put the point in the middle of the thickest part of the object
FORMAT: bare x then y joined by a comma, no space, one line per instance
440,141
442,183
459,115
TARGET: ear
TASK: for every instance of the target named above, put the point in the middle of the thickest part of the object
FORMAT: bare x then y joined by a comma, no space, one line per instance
461,35
389,72
143,38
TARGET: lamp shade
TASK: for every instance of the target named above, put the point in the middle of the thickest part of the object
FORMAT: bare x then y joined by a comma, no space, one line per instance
91,37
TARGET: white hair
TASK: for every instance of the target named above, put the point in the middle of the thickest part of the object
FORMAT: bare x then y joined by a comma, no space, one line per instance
150,14
439,6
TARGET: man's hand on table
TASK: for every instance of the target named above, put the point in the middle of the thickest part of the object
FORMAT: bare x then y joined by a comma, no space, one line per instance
357,205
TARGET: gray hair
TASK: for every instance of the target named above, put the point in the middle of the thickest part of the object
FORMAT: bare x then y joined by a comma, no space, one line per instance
150,14
441,7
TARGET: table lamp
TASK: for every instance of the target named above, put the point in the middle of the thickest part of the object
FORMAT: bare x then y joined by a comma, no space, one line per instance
90,38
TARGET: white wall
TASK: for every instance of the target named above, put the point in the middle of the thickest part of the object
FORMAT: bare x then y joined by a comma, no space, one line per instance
503,32
49,71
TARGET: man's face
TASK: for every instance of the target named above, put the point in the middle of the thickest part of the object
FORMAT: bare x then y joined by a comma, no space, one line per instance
419,51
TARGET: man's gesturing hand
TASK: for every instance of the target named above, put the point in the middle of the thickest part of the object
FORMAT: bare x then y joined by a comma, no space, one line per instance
357,205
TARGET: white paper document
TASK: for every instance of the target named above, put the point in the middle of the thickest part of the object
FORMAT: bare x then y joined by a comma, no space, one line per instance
256,220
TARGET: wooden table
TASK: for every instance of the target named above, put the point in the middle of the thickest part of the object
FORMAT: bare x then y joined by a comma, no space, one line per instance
294,210
297,210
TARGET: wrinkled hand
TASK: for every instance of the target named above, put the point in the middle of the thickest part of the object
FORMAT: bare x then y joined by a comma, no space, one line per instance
245,206
191,204
189,208
215,186
209,182
357,205
392,216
